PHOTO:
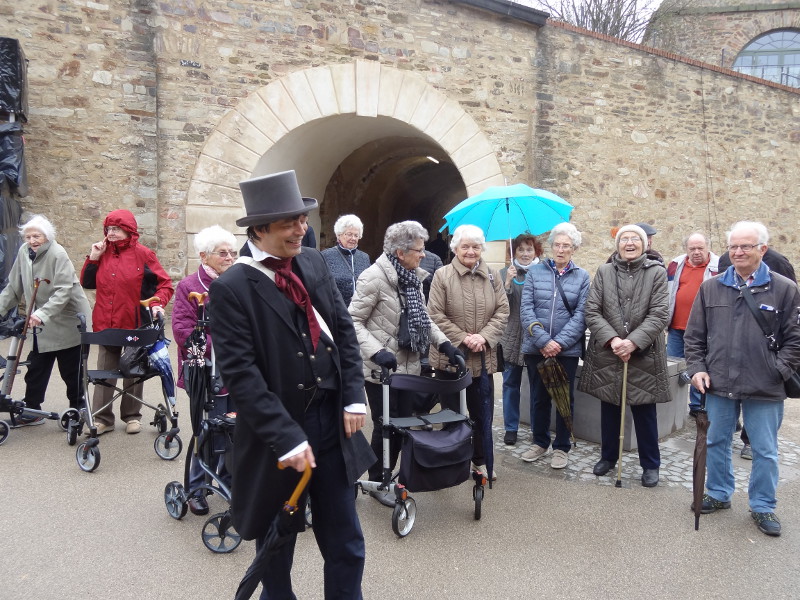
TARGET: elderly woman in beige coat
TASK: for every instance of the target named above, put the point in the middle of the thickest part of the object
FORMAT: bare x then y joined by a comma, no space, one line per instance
59,299
386,290
469,304
627,312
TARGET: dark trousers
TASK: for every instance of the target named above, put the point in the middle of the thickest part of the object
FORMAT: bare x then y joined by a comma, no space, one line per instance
336,526
541,403
646,423
41,367
451,401
401,404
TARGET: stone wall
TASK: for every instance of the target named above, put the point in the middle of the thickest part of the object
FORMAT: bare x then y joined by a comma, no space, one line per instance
124,97
715,32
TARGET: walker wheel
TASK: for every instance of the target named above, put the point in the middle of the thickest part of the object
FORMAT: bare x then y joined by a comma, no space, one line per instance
160,420
168,449
72,433
4,431
71,414
403,517
219,535
175,500
477,495
88,456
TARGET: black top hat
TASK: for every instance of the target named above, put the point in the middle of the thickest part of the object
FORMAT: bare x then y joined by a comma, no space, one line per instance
271,198
648,229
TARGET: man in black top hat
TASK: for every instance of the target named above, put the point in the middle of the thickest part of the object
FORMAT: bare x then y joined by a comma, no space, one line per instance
288,354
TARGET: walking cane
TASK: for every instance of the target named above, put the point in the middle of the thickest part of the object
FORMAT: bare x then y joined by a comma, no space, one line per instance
622,422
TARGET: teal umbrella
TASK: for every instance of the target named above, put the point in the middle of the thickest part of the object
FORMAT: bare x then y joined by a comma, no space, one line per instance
504,212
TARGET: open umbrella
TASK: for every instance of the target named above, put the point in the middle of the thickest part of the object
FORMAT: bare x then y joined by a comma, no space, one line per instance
556,382
487,414
504,212
699,466
277,535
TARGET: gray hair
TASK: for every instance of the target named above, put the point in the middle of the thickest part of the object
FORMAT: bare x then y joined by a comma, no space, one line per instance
40,223
209,238
701,234
759,228
346,222
569,230
401,236
468,232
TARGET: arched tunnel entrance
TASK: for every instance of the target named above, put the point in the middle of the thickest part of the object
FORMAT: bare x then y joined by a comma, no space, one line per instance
388,180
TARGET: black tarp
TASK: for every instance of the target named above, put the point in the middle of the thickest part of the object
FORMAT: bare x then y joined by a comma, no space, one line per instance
13,79
12,158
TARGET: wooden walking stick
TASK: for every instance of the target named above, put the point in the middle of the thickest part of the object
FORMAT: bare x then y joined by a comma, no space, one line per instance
622,422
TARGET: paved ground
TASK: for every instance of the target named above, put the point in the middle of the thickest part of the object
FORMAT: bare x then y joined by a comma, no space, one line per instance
544,533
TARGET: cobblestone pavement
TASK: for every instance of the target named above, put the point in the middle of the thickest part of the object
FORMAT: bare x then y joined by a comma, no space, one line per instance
676,459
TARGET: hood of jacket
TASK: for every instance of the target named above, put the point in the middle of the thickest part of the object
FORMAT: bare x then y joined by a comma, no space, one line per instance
125,220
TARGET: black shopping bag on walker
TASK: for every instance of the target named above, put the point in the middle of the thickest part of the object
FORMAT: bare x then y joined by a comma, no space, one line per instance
434,460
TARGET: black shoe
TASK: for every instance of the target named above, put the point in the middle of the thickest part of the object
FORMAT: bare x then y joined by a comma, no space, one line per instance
650,477
693,412
711,505
767,523
603,466
510,438
385,498
198,505
27,421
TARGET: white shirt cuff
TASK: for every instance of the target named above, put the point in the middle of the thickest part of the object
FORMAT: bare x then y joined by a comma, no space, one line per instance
296,450
357,408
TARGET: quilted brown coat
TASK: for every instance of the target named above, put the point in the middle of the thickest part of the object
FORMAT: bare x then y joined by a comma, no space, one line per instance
635,292
462,303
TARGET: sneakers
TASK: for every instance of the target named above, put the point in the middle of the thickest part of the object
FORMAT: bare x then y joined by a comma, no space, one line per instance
28,421
102,428
747,452
711,505
535,453
484,471
133,426
510,438
767,523
559,460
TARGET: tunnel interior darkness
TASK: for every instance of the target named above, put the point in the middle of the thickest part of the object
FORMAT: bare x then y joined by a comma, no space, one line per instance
388,180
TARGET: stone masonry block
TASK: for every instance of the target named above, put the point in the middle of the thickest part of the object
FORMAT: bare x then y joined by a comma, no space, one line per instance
367,88
320,81
230,151
299,88
280,102
344,83
390,85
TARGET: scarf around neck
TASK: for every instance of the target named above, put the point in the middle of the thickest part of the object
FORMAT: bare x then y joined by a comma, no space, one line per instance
419,323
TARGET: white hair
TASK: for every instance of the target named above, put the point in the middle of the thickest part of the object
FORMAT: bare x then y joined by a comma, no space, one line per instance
40,223
467,232
346,222
759,228
212,237
569,230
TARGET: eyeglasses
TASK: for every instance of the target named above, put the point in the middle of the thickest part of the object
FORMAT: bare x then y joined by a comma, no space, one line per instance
420,250
743,247
351,236
630,240
113,229
562,246
226,253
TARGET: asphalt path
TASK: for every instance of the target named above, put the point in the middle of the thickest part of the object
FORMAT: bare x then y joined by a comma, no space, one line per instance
69,534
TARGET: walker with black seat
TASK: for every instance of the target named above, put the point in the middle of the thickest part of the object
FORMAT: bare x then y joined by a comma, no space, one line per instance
436,449
146,340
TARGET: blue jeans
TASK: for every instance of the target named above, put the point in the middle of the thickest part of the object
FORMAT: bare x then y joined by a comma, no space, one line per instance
762,418
675,348
512,378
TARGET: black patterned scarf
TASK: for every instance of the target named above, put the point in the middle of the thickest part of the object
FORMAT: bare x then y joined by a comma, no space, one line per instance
419,323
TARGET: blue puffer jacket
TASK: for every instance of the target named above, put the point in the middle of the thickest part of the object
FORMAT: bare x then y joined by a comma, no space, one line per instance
542,302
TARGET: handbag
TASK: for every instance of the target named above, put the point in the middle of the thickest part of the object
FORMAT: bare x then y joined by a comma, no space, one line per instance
791,385
134,361
403,335
434,460
571,313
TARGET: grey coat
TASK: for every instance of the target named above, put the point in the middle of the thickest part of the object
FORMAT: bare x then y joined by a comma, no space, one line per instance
57,302
635,292
512,336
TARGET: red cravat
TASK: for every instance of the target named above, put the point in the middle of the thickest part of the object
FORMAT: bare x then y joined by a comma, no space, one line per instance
293,288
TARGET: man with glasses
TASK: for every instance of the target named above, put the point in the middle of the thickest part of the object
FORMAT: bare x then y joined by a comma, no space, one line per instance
731,361
684,275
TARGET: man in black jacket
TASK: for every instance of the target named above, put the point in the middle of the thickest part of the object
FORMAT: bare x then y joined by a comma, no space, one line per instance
288,354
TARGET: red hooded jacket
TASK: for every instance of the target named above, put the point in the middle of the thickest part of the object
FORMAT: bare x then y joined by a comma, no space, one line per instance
126,273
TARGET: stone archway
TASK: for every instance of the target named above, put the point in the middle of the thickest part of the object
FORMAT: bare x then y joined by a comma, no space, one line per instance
317,117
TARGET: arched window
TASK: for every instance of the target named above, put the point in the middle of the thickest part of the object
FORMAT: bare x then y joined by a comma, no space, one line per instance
774,56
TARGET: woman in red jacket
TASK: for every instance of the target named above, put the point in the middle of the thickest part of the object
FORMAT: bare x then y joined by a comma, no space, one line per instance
123,272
